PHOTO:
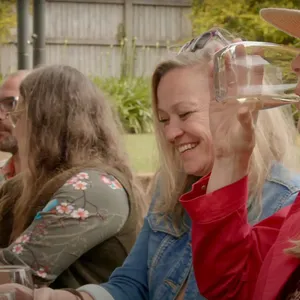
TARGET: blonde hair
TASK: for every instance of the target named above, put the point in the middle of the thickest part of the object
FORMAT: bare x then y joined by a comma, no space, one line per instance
275,141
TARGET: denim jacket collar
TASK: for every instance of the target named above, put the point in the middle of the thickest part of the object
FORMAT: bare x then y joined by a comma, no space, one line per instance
163,222
283,176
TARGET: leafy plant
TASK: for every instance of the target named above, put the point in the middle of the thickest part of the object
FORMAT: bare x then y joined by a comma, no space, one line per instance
240,17
7,19
131,96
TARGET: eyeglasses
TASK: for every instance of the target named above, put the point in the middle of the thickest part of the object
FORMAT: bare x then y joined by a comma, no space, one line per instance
199,42
8,104
14,116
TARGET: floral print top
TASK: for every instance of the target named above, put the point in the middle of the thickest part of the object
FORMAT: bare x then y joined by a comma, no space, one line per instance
88,209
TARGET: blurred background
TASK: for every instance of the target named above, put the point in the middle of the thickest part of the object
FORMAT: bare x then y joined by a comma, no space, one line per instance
118,43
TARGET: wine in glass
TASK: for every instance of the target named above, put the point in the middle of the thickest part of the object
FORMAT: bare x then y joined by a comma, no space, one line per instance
255,72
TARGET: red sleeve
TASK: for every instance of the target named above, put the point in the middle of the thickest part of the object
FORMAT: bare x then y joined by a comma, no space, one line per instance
227,251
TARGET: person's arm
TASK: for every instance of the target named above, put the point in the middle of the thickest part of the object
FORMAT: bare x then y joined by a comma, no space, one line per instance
227,251
88,209
129,281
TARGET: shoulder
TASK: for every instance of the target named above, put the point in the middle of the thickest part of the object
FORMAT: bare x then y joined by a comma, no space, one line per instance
284,178
90,191
280,189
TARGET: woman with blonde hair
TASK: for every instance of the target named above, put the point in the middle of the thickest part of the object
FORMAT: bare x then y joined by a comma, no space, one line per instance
160,264
73,212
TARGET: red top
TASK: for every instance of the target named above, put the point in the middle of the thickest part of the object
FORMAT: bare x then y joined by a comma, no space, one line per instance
8,169
232,259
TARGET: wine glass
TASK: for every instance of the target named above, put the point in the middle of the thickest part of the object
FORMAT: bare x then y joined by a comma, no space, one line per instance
10,295
255,72
16,274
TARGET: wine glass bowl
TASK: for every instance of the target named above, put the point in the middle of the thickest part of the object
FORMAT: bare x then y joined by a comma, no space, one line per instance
255,72
16,274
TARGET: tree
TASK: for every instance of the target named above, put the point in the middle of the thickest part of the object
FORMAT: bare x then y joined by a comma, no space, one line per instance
8,19
241,18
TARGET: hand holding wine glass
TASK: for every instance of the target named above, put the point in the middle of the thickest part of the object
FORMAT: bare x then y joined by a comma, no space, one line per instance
232,125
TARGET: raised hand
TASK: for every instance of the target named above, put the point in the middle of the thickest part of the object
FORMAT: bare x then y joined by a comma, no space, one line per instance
232,121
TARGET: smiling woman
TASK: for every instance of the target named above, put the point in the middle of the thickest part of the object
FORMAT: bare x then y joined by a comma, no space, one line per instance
183,113
181,101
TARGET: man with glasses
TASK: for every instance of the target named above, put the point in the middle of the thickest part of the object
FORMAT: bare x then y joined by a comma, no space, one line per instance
9,93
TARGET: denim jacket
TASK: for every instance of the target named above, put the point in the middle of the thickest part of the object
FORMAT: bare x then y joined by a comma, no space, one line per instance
160,263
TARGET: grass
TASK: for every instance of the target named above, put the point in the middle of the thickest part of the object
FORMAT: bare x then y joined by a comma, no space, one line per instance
142,152
141,149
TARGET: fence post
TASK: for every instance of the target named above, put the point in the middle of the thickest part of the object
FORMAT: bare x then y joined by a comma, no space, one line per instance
23,34
39,43
128,39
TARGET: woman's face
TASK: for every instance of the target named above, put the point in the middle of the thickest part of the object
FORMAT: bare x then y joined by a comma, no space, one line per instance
183,110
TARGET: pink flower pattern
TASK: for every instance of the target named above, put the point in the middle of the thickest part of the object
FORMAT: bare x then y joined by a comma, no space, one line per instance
80,185
111,181
64,208
22,239
79,182
18,249
80,213
41,273
83,175
106,179
72,180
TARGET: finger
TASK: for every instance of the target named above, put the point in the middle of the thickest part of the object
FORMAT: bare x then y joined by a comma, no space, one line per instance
257,70
245,118
21,292
50,294
242,70
255,116
231,79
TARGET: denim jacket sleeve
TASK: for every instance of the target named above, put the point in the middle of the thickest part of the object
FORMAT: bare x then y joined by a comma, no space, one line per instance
130,281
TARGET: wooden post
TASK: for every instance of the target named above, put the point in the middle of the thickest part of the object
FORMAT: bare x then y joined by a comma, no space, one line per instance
23,34
128,39
39,40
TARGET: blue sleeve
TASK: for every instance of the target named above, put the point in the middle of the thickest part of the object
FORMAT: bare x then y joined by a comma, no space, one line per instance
129,282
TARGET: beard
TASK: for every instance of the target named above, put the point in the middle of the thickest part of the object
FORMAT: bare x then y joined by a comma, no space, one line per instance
9,144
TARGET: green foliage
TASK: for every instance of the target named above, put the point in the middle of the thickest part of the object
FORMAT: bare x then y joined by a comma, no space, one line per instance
241,18
7,18
295,114
131,97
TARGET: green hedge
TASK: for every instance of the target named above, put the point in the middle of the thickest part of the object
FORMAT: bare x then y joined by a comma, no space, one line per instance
131,97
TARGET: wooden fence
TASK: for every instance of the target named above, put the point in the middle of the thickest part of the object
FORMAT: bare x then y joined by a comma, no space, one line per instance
95,36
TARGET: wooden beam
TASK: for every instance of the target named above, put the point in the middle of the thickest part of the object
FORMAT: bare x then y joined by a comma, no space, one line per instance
85,42
106,42
172,3
127,64
90,1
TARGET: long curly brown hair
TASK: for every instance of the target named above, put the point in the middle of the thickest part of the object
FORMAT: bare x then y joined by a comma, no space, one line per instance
68,126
